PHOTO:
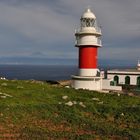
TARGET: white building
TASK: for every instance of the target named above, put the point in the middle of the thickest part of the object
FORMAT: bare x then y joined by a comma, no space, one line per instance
125,76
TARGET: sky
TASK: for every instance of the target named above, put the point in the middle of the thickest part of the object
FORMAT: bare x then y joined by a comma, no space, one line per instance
45,28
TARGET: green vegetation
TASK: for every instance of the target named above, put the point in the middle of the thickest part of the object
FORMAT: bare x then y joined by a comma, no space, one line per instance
38,111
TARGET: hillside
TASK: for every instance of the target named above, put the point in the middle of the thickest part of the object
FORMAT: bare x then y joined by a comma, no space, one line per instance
32,110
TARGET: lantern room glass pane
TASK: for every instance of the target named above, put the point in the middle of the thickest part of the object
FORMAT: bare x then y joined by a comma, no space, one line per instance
87,22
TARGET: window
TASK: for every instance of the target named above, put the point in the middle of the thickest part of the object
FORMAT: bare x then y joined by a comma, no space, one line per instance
87,22
116,79
127,80
92,22
138,81
83,22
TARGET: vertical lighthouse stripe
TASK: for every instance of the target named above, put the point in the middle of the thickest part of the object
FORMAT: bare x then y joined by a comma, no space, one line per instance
88,57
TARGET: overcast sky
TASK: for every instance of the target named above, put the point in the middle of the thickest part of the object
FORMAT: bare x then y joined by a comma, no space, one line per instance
45,28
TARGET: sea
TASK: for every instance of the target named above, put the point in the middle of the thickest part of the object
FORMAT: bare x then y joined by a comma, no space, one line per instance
38,72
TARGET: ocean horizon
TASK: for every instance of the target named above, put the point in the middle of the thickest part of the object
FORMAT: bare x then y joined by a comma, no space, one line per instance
43,72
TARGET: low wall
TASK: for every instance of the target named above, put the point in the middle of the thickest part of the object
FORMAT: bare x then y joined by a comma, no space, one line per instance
106,85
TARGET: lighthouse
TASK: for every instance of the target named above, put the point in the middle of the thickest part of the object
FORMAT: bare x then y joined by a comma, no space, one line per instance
88,40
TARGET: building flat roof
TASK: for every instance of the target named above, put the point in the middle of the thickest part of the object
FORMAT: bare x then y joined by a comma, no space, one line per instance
124,71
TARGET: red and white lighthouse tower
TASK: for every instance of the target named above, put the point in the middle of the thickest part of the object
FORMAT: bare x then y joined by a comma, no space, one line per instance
88,40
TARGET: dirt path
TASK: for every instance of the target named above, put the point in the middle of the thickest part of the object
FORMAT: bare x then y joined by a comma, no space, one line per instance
8,134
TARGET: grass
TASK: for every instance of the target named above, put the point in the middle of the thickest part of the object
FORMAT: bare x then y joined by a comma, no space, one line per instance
36,111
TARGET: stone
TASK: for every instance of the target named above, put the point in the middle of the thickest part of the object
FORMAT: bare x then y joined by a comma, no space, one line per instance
69,103
64,97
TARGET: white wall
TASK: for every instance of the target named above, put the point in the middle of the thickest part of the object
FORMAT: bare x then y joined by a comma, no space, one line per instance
88,72
87,40
90,85
96,84
133,78
106,85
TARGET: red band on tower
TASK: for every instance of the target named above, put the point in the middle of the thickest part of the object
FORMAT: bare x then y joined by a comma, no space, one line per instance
88,57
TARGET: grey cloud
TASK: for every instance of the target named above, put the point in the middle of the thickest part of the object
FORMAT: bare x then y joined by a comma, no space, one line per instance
49,25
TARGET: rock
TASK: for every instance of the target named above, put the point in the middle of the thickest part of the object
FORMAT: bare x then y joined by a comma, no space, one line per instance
118,94
64,97
19,87
65,83
7,95
4,84
1,114
74,102
122,114
52,82
69,103
81,104
3,97
95,99
130,94
100,103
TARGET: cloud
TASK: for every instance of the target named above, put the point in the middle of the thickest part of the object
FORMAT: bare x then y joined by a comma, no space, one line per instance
35,22
48,26
39,26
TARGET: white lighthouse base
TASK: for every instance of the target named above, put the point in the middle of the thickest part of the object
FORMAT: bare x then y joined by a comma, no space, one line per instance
87,82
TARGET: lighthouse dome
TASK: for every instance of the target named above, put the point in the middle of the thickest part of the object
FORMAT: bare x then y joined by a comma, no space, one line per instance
88,14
